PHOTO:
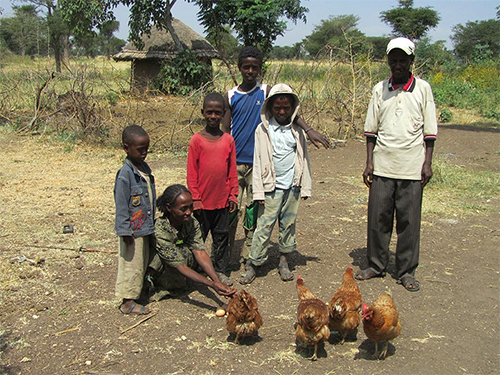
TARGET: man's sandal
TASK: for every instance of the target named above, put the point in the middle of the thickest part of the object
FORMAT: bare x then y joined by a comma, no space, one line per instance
143,310
409,283
368,274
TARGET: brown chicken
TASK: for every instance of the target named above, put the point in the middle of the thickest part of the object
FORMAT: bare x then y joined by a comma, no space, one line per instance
243,317
381,322
312,317
345,306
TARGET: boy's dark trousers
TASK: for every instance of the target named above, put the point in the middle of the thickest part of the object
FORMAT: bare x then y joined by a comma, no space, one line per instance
216,222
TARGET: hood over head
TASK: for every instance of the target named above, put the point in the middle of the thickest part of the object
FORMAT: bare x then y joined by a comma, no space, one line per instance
278,89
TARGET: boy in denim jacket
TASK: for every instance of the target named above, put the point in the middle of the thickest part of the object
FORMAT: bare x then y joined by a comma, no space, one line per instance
135,200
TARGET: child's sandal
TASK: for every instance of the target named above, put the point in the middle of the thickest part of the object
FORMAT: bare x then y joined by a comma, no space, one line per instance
285,273
249,276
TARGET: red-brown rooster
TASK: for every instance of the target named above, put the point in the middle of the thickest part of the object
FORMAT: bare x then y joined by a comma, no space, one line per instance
243,317
312,317
381,322
345,306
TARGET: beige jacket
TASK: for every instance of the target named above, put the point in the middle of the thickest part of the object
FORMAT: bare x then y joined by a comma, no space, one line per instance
264,176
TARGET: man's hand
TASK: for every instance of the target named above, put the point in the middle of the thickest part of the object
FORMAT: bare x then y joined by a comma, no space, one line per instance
368,175
426,174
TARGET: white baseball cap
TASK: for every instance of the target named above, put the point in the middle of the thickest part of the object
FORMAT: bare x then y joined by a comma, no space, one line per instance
404,44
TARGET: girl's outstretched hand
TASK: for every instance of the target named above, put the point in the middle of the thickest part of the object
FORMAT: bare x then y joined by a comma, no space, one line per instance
224,290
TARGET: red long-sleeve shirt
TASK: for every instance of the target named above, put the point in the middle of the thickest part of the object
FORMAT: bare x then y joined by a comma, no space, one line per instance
211,172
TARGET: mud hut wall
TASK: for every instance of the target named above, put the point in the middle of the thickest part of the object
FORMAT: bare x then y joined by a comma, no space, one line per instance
143,71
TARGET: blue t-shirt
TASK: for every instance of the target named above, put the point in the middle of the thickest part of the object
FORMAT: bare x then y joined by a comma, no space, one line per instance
245,117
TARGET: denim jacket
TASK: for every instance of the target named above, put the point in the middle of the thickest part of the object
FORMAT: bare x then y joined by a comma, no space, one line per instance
135,209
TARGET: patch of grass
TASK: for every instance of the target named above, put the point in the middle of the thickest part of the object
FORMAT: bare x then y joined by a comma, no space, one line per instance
285,356
456,190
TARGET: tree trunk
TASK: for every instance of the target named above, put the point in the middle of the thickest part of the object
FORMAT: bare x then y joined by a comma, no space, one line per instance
65,45
57,53
167,23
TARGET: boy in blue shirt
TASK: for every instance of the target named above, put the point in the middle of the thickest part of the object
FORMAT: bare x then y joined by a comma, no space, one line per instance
243,106
135,200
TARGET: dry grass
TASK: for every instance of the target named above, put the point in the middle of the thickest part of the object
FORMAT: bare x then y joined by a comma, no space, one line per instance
63,187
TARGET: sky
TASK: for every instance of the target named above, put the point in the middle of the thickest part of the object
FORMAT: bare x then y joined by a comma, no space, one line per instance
452,12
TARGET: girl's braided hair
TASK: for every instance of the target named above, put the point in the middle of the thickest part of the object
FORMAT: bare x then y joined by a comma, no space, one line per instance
169,196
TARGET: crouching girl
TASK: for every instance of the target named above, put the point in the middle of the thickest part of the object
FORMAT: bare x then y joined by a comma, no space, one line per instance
180,249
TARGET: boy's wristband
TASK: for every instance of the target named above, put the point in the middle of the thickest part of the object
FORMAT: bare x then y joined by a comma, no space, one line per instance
309,128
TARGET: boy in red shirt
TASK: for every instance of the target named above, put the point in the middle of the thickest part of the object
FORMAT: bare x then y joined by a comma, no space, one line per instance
213,181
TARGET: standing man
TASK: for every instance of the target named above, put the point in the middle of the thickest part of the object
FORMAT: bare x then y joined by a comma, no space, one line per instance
400,130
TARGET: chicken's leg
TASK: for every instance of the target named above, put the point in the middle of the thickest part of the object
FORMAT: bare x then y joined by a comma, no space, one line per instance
315,355
383,353
376,350
344,335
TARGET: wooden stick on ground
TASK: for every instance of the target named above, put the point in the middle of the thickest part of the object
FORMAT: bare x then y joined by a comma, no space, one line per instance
80,249
139,322
67,330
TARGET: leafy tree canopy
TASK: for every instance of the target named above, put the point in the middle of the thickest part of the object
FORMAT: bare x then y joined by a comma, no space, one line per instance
332,34
410,22
82,16
287,53
432,56
255,22
146,13
378,46
478,39
25,32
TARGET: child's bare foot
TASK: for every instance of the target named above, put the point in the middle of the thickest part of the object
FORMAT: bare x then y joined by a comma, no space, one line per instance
129,306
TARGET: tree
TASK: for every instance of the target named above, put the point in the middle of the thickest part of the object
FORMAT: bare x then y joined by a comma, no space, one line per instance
477,39
378,46
287,53
225,42
432,56
255,22
330,36
410,22
57,30
107,43
25,32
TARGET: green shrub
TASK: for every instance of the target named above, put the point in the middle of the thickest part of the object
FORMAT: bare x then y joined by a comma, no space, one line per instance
182,74
112,97
445,115
475,87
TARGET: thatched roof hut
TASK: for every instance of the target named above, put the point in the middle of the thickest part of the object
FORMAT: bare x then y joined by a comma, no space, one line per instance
160,46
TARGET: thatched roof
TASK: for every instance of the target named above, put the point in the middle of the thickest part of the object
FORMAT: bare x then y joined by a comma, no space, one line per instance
160,44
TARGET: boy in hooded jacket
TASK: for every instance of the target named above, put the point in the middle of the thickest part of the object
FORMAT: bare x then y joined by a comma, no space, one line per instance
281,178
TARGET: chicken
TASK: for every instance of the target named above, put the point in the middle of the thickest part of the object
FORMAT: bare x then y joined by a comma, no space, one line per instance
243,317
381,322
312,317
345,305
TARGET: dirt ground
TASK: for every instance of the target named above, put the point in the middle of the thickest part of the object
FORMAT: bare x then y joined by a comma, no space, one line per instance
61,317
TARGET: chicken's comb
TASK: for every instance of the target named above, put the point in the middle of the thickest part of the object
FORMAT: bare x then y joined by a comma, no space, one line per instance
365,307
299,277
